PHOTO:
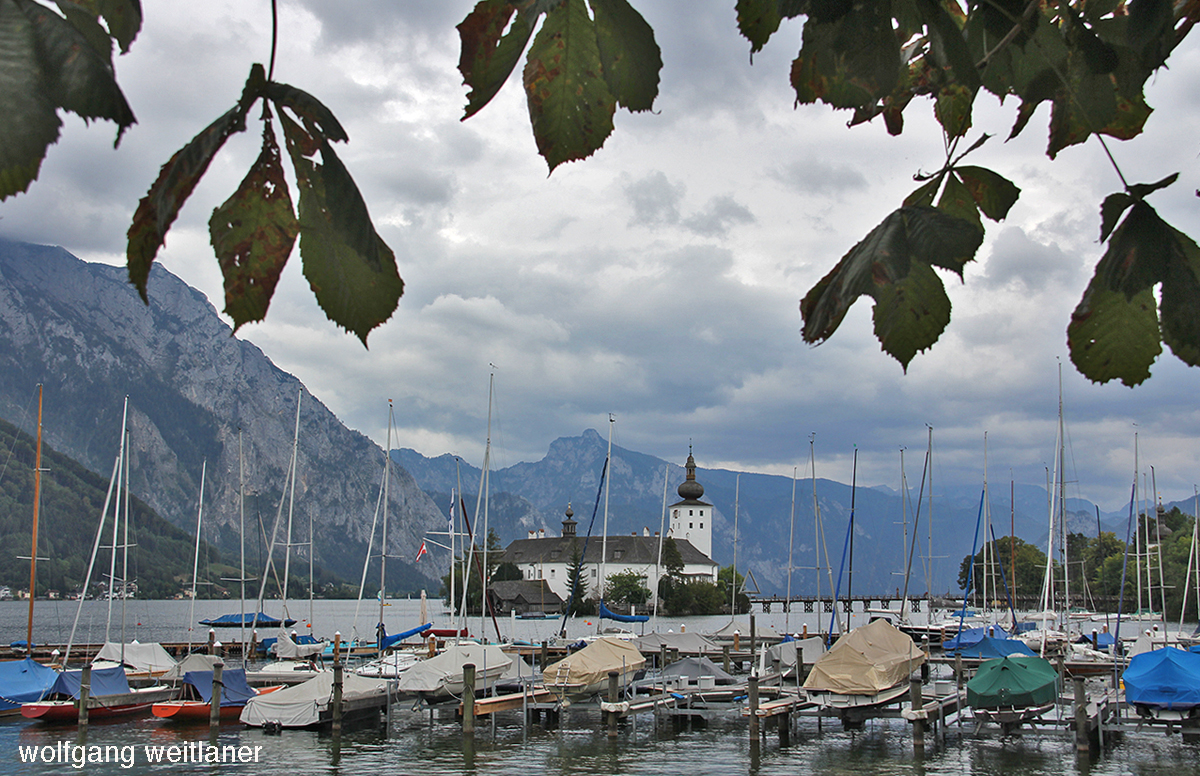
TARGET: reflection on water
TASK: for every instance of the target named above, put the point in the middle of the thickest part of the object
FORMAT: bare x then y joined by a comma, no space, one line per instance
416,742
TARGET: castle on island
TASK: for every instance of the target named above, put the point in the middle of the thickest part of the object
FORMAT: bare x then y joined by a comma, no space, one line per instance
546,560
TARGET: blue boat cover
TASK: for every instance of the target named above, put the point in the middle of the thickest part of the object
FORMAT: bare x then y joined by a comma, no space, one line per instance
248,620
387,641
972,636
1104,640
608,614
989,648
1166,678
105,681
234,689
24,681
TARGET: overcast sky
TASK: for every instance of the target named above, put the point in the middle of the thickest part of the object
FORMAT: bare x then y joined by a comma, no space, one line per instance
659,280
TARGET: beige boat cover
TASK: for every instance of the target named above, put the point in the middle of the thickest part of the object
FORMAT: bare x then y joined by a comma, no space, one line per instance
590,665
867,660
150,657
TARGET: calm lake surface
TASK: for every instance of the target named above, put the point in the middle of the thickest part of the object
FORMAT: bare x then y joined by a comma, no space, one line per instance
417,743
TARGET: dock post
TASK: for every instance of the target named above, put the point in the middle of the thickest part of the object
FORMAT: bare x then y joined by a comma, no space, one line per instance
337,698
785,729
753,701
725,657
212,641
662,657
613,697
468,701
1081,718
253,648
545,655
85,690
214,705
753,640
918,724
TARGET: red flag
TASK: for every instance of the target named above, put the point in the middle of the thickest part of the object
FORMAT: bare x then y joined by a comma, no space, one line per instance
421,552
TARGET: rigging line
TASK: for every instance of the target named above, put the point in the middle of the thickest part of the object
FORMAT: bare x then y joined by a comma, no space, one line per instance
16,438
591,524
913,548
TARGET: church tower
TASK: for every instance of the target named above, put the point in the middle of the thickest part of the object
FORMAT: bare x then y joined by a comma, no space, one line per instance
691,518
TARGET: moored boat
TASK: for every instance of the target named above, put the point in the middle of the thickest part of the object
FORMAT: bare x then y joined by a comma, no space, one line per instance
235,692
1164,684
109,696
585,673
1012,690
311,704
865,668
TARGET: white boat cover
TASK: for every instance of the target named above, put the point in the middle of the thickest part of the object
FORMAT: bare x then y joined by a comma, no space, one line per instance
444,672
686,643
302,705
149,657
286,649
589,667
865,661
810,649
193,662
761,632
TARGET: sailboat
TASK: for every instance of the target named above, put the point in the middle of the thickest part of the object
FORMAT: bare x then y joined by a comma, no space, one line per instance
865,668
26,680
1013,690
1164,684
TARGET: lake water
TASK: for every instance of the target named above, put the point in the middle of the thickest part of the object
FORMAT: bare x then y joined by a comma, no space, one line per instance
416,743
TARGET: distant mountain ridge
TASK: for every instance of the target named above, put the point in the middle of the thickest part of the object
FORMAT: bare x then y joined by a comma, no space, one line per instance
81,330
532,496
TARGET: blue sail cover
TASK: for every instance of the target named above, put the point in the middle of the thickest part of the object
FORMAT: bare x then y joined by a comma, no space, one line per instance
234,689
1166,678
989,648
24,681
105,681
387,641
972,636
247,620
607,614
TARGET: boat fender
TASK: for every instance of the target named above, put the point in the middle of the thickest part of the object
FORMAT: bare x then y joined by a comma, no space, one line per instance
621,708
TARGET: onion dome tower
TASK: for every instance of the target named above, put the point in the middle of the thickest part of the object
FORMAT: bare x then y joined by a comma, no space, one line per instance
691,518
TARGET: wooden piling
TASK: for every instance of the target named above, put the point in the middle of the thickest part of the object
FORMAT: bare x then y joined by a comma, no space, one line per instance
337,698
1081,717
85,690
468,701
613,697
918,723
725,656
214,704
752,699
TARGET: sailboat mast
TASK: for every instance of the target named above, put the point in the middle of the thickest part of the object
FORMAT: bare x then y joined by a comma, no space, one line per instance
487,490
287,555
387,474
812,457
112,565
1062,502
242,542
125,547
737,490
196,556
37,498
787,607
662,532
604,538
988,555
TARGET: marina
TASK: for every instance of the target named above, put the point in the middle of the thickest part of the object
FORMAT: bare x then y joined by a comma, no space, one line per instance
762,723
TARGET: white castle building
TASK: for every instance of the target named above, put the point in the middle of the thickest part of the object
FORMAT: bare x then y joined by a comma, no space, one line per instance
549,557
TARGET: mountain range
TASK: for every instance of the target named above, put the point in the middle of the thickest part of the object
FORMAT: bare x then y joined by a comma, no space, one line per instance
201,397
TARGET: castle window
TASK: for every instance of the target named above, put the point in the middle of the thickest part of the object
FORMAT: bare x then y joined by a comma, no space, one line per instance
691,525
